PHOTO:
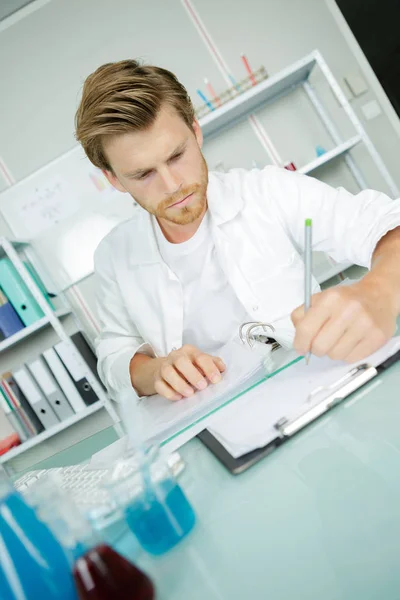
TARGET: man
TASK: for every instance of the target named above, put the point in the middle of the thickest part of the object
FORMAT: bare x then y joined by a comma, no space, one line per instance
210,251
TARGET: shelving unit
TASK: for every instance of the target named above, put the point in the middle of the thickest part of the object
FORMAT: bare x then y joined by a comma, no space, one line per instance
48,433
270,90
283,83
337,152
27,331
51,319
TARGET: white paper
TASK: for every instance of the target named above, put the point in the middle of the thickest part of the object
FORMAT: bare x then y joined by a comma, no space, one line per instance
159,418
248,423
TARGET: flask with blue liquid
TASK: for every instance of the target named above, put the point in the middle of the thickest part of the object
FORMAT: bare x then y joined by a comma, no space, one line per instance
156,508
33,564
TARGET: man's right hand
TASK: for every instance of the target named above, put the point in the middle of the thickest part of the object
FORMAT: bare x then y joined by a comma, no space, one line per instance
177,375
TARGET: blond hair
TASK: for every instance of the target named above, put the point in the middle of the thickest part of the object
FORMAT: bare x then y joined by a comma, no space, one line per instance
125,96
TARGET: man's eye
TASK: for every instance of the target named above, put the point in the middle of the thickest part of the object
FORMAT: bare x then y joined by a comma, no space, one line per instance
176,156
143,176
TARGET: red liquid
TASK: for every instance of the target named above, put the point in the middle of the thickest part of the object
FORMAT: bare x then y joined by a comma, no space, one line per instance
103,574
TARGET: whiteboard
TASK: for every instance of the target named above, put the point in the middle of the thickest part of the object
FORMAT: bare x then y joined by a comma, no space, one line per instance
64,210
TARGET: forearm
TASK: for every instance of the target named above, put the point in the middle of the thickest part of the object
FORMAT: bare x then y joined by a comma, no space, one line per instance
142,369
384,275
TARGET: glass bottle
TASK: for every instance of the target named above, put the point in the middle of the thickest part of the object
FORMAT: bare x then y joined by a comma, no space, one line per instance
33,563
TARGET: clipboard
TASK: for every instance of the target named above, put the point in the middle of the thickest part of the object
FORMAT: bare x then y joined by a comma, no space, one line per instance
319,402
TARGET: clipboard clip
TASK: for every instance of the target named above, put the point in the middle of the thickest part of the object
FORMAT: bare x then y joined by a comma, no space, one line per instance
332,395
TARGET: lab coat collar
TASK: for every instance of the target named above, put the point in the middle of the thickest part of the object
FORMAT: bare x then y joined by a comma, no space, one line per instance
224,203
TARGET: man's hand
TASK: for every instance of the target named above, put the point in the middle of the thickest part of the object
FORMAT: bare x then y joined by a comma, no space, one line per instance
348,322
177,375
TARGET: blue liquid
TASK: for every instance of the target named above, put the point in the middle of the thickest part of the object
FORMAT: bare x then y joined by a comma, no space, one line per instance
160,525
32,562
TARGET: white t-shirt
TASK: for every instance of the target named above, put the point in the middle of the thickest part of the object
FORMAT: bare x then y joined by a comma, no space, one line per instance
212,313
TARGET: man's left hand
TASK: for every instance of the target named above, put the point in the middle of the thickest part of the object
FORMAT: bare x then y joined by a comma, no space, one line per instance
347,322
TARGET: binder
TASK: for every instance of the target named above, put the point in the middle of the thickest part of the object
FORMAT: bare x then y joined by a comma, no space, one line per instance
50,388
161,419
64,380
18,410
87,353
76,367
36,398
10,322
39,284
27,408
18,293
12,417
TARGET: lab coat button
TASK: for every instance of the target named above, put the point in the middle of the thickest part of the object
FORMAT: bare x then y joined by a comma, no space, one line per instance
255,308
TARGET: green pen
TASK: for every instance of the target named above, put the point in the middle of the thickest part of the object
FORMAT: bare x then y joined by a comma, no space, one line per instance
307,270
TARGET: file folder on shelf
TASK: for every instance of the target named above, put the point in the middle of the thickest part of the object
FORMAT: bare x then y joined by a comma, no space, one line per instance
18,294
76,367
36,398
64,380
48,385
39,283
10,323
18,410
87,353
12,417
27,408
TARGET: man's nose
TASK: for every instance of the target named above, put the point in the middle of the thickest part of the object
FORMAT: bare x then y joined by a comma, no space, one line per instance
171,181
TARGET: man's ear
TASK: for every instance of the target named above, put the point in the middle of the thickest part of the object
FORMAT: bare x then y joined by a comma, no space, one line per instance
198,133
113,180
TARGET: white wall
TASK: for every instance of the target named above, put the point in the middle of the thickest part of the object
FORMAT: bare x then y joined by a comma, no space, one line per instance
46,56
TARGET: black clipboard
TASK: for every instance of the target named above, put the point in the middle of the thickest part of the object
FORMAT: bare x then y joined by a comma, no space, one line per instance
326,398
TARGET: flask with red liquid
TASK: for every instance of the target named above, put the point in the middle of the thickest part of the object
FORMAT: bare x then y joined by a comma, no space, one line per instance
99,572
103,574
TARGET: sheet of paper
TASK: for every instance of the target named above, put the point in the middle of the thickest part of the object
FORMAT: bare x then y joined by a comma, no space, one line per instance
248,423
159,418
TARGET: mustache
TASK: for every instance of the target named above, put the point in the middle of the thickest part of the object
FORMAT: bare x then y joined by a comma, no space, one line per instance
178,196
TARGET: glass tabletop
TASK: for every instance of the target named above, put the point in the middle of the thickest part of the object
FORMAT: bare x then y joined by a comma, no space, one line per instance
318,518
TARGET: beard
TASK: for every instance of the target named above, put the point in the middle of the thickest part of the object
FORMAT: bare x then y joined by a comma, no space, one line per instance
185,214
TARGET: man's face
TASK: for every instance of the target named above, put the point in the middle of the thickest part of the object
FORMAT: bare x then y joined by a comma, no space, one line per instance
162,168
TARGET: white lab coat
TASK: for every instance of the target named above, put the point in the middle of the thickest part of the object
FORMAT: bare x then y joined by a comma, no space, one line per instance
258,228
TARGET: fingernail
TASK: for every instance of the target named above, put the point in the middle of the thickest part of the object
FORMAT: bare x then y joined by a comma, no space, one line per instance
216,378
188,391
201,385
